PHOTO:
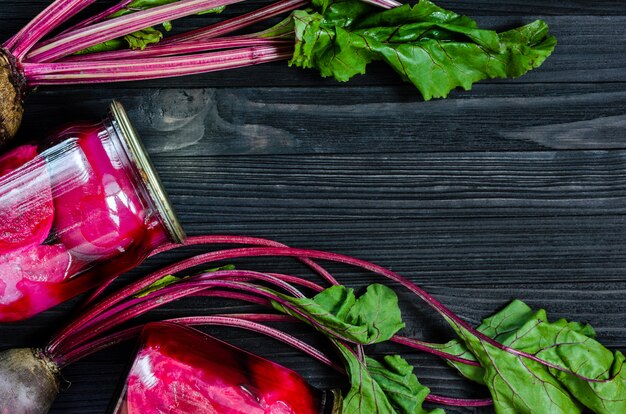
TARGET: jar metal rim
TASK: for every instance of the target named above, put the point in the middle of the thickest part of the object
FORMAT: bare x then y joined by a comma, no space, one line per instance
136,150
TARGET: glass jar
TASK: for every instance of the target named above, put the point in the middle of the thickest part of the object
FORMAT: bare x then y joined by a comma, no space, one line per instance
179,370
81,206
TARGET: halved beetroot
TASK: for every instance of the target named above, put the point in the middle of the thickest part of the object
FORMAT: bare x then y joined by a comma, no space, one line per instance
37,264
26,207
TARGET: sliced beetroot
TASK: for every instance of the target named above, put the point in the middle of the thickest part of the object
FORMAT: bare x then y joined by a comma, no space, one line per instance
290,393
99,215
26,206
34,265
16,158
179,370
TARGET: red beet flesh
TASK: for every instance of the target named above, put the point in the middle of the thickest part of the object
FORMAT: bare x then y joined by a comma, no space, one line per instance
180,370
27,210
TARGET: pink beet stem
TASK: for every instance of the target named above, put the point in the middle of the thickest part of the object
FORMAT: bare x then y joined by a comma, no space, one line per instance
177,49
314,254
430,348
243,322
142,69
253,241
237,23
459,402
50,18
219,239
385,4
95,18
227,294
136,306
95,34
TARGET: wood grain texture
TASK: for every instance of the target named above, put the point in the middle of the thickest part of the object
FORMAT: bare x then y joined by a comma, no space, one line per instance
516,189
322,120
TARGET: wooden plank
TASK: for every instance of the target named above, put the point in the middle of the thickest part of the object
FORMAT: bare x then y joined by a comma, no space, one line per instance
584,54
319,120
509,184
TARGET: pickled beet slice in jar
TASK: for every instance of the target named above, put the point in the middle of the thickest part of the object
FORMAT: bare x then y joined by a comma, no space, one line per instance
26,206
22,270
179,370
102,216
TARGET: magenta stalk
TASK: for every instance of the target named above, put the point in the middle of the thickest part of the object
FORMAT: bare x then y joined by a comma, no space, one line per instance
237,23
385,4
226,239
314,254
142,69
95,34
177,49
138,306
134,306
236,321
427,347
46,21
97,17
459,402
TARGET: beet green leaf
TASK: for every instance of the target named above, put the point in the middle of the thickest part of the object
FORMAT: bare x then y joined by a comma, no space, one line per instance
521,385
371,318
435,49
387,387
395,377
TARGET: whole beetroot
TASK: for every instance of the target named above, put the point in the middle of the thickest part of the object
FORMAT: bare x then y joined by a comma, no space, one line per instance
12,90
29,382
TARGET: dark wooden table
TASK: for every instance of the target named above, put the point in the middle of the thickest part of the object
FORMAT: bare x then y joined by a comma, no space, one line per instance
516,189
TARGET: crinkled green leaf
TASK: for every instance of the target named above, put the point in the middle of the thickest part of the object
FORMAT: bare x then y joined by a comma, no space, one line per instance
143,38
158,285
570,345
113,44
387,387
519,385
458,348
396,379
373,317
435,49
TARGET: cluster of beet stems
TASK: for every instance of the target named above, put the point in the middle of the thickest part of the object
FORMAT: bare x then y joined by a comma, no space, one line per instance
94,329
52,62
37,56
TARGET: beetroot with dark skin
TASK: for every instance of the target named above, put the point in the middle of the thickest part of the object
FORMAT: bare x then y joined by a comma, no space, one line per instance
29,382
12,92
